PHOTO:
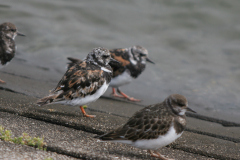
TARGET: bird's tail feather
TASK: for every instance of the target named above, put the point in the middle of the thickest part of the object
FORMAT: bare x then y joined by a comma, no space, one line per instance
46,100
73,61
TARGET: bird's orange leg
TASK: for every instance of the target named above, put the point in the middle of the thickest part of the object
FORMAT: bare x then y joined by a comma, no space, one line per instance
127,97
115,94
85,114
1,81
158,155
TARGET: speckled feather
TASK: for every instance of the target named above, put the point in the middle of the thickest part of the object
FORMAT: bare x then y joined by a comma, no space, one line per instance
73,61
7,49
7,44
122,55
148,123
80,80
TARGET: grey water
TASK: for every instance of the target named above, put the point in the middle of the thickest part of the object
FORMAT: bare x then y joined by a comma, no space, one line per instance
195,44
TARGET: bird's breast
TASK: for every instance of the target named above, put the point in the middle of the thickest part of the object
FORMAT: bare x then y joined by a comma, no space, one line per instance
159,142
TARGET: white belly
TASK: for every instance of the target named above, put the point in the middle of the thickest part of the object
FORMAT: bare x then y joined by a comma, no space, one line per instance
154,144
88,99
161,141
120,80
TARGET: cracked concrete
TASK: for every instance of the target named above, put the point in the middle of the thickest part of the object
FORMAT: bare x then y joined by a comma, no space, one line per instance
67,132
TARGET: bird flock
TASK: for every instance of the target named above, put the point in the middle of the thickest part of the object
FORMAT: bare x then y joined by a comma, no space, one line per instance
150,128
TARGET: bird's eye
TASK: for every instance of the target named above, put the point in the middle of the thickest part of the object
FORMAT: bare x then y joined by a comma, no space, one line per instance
105,56
13,30
141,54
181,104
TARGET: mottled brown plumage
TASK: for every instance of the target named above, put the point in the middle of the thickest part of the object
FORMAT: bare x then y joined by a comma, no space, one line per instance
132,64
8,32
83,82
125,56
80,80
154,123
7,49
73,61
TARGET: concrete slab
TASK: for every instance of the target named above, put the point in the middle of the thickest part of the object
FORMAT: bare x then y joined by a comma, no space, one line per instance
197,144
11,151
77,143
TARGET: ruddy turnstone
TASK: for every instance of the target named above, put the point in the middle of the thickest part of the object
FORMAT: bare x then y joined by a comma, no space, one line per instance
8,33
84,82
154,126
132,64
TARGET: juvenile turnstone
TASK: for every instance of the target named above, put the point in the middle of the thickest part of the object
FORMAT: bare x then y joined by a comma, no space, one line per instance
84,82
8,33
132,64
154,126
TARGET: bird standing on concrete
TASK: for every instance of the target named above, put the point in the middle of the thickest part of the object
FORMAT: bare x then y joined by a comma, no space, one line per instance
132,64
154,126
84,82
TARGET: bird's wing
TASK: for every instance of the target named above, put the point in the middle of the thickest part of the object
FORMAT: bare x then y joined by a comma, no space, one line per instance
79,81
122,56
7,52
147,123
73,61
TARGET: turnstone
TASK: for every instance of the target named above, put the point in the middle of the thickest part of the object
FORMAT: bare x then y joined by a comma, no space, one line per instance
84,82
8,33
154,126
132,64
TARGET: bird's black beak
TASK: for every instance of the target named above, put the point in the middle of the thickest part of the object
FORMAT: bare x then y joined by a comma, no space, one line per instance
150,61
189,109
20,34
114,60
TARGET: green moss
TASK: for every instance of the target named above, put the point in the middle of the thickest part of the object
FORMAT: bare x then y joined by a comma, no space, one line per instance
85,106
25,139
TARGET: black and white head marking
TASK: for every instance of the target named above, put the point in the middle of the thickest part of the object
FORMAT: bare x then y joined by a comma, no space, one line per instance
99,56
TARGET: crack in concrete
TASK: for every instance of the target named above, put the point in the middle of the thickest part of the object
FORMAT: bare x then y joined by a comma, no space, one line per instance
215,120
48,119
72,153
235,140
26,77
17,75
10,90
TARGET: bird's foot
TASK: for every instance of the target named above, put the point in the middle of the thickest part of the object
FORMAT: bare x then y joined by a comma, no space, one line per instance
133,99
123,95
1,81
158,155
127,97
117,95
85,114
90,116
